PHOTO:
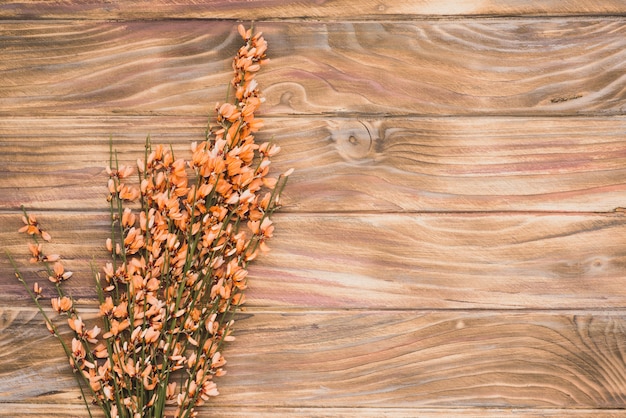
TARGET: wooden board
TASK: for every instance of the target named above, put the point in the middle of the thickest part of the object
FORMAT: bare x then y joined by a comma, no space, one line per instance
376,359
561,66
429,261
303,9
345,165
453,239
14,410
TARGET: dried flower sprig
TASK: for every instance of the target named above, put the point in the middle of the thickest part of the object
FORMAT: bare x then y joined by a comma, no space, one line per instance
178,268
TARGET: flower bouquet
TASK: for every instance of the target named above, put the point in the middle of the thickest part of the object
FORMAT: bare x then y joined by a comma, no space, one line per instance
182,236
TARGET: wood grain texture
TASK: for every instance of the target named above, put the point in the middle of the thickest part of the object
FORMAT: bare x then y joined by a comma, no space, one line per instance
52,410
561,66
345,165
375,359
431,261
450,244
303,9
14,410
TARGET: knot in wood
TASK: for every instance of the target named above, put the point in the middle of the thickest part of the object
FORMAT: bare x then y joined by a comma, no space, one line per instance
352,139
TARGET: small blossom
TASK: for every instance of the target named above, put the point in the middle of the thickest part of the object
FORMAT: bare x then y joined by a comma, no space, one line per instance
245,34
35,250
78,349
92,334
121,173
128,193
76,324
31,227
46,236
62,304
106,308
59,273
37,290
51,258
128,218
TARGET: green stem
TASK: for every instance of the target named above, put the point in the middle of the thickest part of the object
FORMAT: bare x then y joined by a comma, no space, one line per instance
55,332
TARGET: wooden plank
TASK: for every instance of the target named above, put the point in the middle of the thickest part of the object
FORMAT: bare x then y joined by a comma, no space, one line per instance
303,9
375,359
430,261
215,410
452,67
345,165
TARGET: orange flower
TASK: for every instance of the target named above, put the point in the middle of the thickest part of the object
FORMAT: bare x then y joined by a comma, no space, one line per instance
63,304
254,226
94,380
91,334
128,193
108,268
129,367
37,290
116,328
78,349
170,392
134,241
217,360
121,310
268,149
209,389
101,351
150,335
128,218
255,125
267,227
238,299
270,182
76,324
51,258
59,273
31,226
121,173
228,112
35,250
37,256
245,34
46,236
106,308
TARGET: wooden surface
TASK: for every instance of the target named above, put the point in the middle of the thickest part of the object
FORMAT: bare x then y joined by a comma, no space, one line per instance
397,261
302,9
453,240
419,359
539,66
361,164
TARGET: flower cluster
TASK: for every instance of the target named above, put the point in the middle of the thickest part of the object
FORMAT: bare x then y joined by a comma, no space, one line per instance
178,267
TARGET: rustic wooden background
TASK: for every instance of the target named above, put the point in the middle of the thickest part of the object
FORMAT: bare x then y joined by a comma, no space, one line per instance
452,243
